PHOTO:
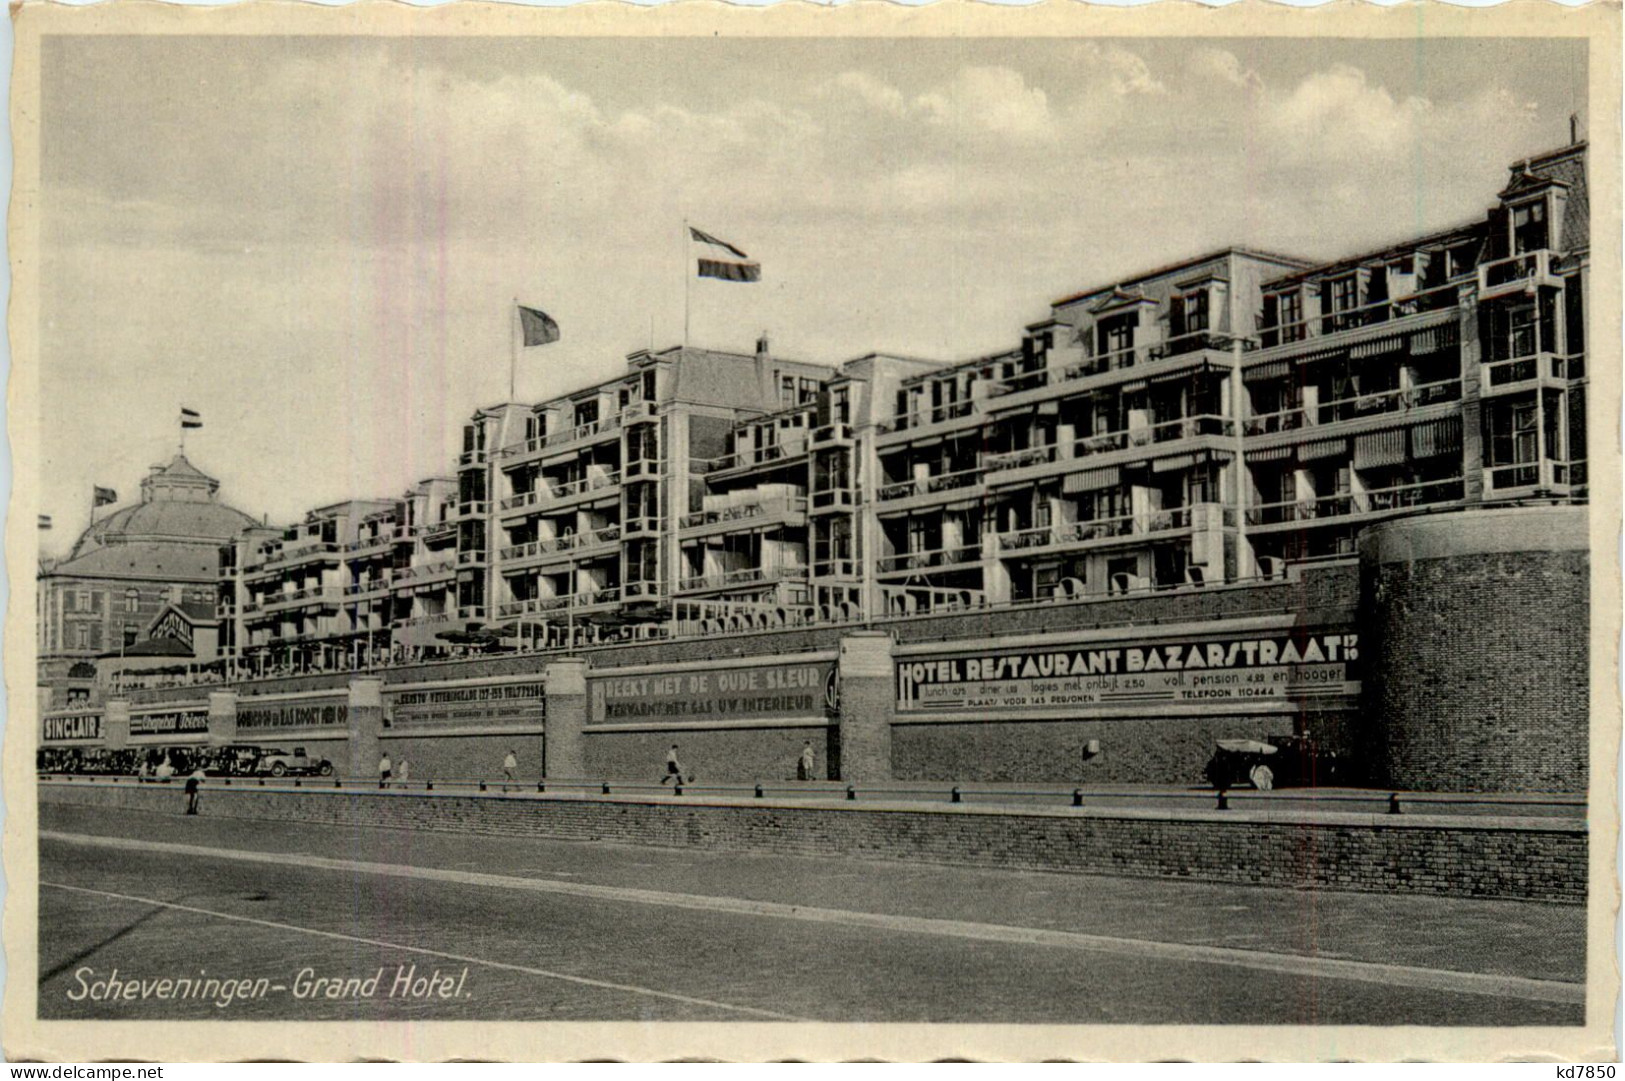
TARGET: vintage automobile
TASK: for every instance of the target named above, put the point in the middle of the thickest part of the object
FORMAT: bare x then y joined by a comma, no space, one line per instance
234,760
1282,762
279,763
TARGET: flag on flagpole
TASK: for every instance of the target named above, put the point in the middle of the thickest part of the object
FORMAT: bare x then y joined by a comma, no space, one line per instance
45,521
536,327
738,269
103,496
191,418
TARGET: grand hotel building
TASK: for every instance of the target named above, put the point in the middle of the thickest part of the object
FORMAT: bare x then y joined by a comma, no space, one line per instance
1221,420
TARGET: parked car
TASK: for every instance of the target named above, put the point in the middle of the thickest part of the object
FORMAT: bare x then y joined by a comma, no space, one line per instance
1282,762
279,763
234,760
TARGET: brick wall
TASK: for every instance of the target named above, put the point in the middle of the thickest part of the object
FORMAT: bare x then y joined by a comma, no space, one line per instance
735,755
1537,859
1480,680
465,757
1133,750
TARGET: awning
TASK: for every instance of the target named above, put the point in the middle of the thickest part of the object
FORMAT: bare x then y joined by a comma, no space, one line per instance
1321,354
1376,347
1434,339
1092,480
1182,373
1275,369
1316,449
1436,437
1168,465
1270,454
968,503
1132,386
1379,449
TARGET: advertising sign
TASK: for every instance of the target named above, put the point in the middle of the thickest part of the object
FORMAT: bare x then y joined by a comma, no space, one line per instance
332,713
1280,667
170,723
66,729
494,703
756,693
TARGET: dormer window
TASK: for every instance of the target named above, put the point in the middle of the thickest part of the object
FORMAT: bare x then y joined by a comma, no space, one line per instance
1116,333
1529,227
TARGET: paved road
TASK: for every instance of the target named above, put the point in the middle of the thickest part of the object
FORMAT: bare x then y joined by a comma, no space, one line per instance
551,930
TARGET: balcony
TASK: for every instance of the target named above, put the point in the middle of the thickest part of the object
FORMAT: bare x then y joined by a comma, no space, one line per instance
377,545
929,485
643,469
837,432
1096,531
1380,403
1515,274
471,558
834,499
378,584
471,611
644,526
1429,307
746,577
959,555
543,445
638,413
927,418
642,590
303,598
843,569
572,544
1341,506
775,455
1018,459
438,531
789,510
473,508
303,553
565,603
1559,477
1525,373
477,456
408,576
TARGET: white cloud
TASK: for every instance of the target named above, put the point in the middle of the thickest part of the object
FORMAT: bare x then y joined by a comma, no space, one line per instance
1222,64
1339,113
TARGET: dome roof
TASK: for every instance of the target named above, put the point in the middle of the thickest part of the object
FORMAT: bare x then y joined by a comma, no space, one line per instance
173,532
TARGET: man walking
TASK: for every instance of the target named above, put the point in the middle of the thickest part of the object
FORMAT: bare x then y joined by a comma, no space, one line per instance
386,770
804,767
510,765
193,783
674,769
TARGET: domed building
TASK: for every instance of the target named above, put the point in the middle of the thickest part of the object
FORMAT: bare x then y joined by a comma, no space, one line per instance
127,568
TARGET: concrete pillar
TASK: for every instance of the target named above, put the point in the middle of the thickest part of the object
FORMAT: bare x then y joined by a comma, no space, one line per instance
116,723
868,704
222,717
366,719
565,749
1472,410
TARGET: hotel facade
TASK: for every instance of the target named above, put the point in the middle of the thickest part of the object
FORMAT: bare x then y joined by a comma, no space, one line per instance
1217,421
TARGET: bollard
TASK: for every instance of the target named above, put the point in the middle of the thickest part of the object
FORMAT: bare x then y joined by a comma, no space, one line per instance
851,792
953,797
678,788
1077,797
606,788
541,786
297,783
1393,804
758,791
428,786
482,786
228,782
1224,800
336,783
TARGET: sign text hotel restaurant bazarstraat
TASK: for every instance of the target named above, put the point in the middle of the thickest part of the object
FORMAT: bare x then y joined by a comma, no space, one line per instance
1259,668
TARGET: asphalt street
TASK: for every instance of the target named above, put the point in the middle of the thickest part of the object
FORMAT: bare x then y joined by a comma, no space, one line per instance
461,927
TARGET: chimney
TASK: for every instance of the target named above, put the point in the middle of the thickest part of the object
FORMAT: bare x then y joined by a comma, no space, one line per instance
1574,128
761,347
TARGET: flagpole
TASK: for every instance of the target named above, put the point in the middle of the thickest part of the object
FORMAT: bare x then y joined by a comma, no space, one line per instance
513,348
688,284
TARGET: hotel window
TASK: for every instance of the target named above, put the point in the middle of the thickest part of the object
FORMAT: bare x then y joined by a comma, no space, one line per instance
809,391
586,413
1291,316
787,390
649,386
1529,231
84,637
841,405
132,601
1117,333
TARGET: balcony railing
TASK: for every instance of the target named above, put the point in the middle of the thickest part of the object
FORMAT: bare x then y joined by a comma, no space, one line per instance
935,415
1543,474
471,611
469,558
1508,275
368,585
568,543
836,432
535,606
1160,521
836,568
472,457
1364,405
473,508
834,497
776,452
632,590
642,467
1500,373
940,557
558,439
1380,311
936,482
1345,504
428,620
427,570
743,577
1019,459
765,508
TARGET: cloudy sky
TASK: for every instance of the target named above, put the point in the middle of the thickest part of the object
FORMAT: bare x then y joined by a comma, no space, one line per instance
316,242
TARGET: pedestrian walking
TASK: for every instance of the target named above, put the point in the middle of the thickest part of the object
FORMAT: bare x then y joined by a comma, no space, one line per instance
403,772
674,769
510,765
193,783
386,770
806,763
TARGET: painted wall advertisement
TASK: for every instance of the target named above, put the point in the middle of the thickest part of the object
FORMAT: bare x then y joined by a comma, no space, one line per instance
763,692
1278,667
514,704
178,722
333,713
65,729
